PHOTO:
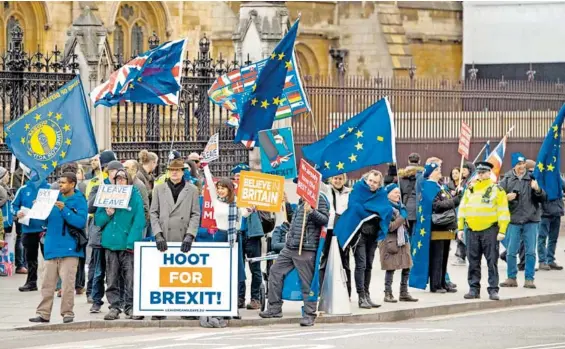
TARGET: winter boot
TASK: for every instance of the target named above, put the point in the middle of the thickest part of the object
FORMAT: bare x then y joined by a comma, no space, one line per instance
529,284
389,298
406,297
509,283
363,304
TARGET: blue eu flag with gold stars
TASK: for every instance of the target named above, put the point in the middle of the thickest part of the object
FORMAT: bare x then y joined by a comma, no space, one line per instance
262,104
548,164
56,131
366,139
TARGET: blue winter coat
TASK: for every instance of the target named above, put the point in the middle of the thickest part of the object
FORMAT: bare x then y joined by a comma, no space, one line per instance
58,242
24,198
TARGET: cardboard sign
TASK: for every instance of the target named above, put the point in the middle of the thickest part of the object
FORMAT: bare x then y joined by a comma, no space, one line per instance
264,191
308,187
202,282
277,152
212,150
43,204
208,220
464,140
113,196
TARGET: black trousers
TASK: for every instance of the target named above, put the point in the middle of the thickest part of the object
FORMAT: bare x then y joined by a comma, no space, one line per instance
364,253
439,252
252,249
32,243
344,254
461,251
479,244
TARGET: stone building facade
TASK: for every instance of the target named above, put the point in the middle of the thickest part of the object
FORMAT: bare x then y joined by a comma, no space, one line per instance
381,38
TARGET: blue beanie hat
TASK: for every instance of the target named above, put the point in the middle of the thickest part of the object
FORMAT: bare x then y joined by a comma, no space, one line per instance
429,168
517,157
391,187
239,167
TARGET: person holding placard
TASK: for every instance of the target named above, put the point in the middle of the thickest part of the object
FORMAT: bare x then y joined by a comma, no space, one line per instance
121,228
65,240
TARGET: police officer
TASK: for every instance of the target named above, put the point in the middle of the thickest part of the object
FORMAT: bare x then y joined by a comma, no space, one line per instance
484,209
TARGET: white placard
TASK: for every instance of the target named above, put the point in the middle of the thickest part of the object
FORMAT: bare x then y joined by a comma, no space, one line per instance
202,282
113,196
212,150
25,219
43,204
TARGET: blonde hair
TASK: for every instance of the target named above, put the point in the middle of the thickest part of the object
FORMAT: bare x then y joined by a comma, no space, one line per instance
146,157
340,175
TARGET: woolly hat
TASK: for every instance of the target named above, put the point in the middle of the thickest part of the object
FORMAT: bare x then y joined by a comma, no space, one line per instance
115,165
429,168
391,187
517,158
106,157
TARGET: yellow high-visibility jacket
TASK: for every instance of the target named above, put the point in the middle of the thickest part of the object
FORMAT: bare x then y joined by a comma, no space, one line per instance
482,206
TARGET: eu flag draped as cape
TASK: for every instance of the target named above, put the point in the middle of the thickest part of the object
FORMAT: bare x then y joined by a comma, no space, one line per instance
366,139
363,206
421,238
547,171
56,131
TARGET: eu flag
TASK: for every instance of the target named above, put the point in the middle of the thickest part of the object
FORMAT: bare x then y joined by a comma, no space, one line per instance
549,160
56,131
364,140
260,108
421,238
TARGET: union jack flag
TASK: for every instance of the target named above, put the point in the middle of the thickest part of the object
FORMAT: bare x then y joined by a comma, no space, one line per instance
495,158
152,77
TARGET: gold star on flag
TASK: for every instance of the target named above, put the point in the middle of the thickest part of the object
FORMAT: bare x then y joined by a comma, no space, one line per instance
54,164
540,167
550,167
254,87
44,167
350,129
131,86
50,114
359,146
58,116
420,244
342,136
380,138
254,101
281,56
68,142
273,55
555,128
67,128
63,154
276,101
264,104
23,140
340,165
422,219
419,209
359,134
288,65
27,126
353,158
139,79
414,252
37,117
555,135
327,164
423,232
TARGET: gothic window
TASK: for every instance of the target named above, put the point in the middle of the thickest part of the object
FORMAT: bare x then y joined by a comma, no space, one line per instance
136,40
12,23
119,40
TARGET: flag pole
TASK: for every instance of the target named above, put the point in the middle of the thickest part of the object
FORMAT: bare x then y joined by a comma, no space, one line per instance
478,155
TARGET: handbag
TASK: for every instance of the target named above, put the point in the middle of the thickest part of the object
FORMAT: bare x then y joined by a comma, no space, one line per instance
445,218
267,221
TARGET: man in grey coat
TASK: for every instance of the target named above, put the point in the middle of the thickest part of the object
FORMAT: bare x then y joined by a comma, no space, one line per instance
175,211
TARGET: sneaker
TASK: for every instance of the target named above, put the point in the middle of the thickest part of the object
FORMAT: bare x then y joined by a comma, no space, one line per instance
38,319
493,296
555,266
89,300
451,290
80,290
472,295
544,266
21,270
269,314
451,285
307,321
254,305
137,317
28,288
113,314
529,284
95,308
68,319
459,262
509,283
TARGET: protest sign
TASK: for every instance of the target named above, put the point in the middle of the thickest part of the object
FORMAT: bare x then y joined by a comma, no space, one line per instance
464,140
308,187
202,282
212,150
277,152
113,196
43,204
264,191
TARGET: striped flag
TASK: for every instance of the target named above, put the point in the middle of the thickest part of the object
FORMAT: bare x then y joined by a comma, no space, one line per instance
283,112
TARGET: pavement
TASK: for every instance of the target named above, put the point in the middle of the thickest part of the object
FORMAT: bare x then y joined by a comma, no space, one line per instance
532,327
16,307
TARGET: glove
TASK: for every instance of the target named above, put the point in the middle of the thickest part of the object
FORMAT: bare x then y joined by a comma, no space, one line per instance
500,237
187,243
161,242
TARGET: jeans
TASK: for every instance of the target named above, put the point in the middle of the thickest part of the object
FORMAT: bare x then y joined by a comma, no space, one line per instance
119,264
547,239
528,233
479,244
364,253
20,253
32,243
389,275
252,248
98,267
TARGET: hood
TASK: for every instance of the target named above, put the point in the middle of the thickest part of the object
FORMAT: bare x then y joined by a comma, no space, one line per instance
409,171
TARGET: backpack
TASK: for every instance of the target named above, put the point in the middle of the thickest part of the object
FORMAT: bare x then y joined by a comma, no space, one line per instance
78,234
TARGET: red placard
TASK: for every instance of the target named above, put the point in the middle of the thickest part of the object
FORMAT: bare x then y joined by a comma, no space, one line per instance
464,140
207,220
308,183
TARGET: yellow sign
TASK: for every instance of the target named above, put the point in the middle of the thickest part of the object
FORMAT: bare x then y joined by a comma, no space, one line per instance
264,191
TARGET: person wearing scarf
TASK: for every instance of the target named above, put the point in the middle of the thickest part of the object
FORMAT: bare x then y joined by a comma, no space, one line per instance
394,250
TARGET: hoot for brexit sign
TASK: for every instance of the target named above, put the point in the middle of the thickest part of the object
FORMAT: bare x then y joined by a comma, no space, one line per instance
202,282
